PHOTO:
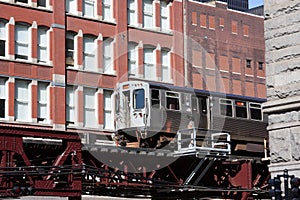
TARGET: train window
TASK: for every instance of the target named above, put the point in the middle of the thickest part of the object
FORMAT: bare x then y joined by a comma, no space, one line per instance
155,99
194,104
255,111
139,99
117,102
241,109
203,105
226,107
172,101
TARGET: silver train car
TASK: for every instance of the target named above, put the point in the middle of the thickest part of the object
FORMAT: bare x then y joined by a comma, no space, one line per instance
148,115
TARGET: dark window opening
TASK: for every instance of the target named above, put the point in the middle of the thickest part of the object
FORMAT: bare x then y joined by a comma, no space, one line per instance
22,1
203,105
17,56
2,108
69,52
226,107
155,98
2,47
241,109
42,3
255,111
139,98
248,63
172,101
117,103
260,65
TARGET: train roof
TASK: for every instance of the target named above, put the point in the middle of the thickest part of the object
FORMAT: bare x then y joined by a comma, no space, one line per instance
206,92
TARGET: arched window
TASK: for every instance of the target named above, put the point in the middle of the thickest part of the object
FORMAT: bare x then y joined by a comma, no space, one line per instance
165,65
42,44
149,63
108,55
132,58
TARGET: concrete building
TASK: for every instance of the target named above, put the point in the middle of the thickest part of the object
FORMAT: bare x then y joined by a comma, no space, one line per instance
282,57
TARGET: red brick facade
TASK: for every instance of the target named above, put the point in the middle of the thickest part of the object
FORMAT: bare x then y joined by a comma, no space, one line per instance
103,34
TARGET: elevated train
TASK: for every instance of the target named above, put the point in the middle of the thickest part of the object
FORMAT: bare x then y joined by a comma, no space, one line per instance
150,114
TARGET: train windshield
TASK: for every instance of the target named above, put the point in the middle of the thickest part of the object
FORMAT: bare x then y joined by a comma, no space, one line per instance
139,98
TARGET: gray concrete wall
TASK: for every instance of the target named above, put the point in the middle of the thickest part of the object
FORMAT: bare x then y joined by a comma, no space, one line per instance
282,35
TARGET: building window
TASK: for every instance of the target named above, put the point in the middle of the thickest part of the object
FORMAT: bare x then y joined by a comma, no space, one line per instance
234,27
202,20
149,66
194,18
132,61
164,12
165,65
255,111
211,20
131,12
43,99
2,38
22,95
226,107
260,65
241,109
107,56
70,49
88,8
71,6
42,44
106,6
155,98
108,120
41,3
246,30
172,101
89,53
221,22
70,105
3,97
148,13
21,1
21,41
248,63
90,117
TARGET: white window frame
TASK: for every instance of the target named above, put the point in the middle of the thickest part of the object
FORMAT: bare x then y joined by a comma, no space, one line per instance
107,6
90,108
108,56
255,106
71,105
149,65
22,43
70,36
3,36
148,14
43,102
43,45
164,15
227,102
22,101
132,58
4,96
89,53
87,4
165,66
107,110
131,12
71,6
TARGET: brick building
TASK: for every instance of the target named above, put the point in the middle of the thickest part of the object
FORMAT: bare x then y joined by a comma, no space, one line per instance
227,49
60,60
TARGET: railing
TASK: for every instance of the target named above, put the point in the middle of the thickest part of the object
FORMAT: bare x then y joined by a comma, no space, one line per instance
202,141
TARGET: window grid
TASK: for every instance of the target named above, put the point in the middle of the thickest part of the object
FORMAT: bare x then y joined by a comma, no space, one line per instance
131,12
89,53
42,45
43,101
2,38
149,66
106,5
21,41
90,117
107,56
88,8
22,95
165,65
132,58
148,13
70,104
164,12
3,97
71,6
108,120
70,49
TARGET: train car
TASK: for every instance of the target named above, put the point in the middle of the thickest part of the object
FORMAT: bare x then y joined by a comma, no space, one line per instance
150,115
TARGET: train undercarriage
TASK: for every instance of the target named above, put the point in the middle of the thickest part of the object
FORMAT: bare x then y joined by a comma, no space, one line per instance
55,163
